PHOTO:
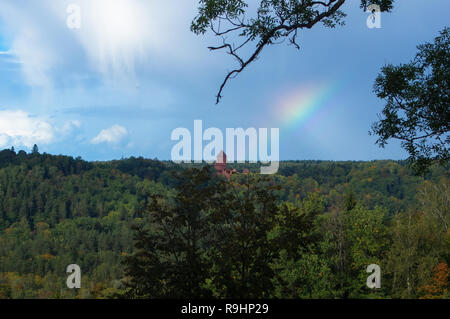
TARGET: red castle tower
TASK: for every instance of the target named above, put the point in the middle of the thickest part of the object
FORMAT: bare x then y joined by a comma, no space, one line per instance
221,166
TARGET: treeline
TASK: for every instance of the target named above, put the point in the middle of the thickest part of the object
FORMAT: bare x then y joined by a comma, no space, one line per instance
327,221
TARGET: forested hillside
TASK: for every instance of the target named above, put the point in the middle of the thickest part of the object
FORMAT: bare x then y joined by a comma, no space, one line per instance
57,210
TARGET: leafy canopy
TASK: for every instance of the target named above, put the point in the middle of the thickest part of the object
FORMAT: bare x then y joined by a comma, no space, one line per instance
417,104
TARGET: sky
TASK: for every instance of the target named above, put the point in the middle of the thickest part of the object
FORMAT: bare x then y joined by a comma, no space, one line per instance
133,72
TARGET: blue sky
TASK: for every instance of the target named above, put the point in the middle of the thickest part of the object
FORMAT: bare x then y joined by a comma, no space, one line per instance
133,72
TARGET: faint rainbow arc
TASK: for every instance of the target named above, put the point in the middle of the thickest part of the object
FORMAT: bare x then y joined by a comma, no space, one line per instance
302,107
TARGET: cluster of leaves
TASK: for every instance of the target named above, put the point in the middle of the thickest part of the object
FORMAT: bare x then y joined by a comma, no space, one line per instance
417,104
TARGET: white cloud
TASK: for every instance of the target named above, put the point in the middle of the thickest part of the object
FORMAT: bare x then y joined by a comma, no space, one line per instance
30,44
4,140
69,127
36,62
21,129
110,135
115,39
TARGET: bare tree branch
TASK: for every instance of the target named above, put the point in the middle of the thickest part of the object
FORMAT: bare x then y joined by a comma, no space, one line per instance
287,27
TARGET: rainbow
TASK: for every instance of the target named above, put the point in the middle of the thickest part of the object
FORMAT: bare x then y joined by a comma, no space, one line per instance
304,106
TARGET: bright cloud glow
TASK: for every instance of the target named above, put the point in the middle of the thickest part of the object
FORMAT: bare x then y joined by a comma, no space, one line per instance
118,21
111,135
115,34
116,37
21,129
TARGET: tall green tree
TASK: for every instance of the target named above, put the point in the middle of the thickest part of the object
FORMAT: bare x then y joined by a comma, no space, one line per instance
243,250
413,254
301,268
35,150
354,239
170,260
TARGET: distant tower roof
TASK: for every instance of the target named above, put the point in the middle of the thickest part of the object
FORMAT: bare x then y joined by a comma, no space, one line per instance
221,166
221,158
221,162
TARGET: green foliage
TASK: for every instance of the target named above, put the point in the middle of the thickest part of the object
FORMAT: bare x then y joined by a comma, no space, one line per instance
35,150
309,231
306,277
242,249
413,254
169,261
354,239
417,104
209,240
385,5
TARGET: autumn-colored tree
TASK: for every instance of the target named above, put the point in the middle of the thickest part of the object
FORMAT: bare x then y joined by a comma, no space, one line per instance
438,287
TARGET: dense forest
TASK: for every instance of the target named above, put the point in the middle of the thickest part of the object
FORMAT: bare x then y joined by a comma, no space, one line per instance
142,228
